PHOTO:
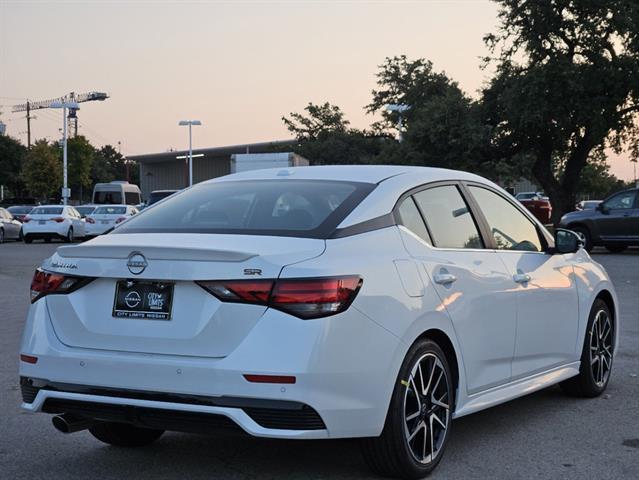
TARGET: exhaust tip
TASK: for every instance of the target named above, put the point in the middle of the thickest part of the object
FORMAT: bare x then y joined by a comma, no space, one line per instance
68,423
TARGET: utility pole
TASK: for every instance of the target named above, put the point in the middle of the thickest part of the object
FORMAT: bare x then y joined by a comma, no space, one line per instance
28,125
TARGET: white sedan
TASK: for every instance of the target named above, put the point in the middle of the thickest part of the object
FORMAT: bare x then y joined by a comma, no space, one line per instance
317,302
106,217
53,221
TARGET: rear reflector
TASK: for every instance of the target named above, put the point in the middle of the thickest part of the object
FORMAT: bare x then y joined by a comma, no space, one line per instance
45,283
89,220
28,359
303,297
288,379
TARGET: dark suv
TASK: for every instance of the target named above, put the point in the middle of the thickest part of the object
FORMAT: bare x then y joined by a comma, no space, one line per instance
614,224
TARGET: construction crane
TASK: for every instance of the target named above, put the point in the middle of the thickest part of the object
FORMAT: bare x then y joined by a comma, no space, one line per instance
73,112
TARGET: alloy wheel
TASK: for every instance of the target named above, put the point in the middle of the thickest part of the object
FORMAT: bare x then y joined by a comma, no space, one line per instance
601,338
426,408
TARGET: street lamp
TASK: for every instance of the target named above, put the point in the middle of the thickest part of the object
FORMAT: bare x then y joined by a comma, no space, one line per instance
400,109
190,123
65,106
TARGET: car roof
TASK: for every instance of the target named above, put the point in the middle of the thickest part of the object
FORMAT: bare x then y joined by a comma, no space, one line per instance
353,173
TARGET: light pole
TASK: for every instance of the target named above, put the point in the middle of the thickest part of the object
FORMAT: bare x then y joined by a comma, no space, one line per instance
64,106
190,123
400,109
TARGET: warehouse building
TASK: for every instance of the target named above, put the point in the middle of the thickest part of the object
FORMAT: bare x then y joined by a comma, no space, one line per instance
170,170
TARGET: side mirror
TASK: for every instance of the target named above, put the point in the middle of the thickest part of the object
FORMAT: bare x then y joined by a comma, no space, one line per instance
567,241
602,208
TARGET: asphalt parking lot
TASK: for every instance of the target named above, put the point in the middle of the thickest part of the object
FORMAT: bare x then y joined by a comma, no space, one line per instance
545,435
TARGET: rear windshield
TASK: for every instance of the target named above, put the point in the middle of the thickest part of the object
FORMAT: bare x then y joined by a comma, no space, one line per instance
85,210
20,210
110,211
107,197
47,211
306,208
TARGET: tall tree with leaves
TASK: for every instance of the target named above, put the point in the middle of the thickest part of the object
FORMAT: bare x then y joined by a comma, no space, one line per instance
80,160
12,154
566,84
42,170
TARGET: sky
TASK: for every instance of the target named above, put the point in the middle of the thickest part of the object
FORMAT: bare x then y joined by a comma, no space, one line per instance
237,66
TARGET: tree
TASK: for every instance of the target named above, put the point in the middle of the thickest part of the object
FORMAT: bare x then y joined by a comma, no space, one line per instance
566,84
12,155
442,125
42,170
80,159
109,165
324,137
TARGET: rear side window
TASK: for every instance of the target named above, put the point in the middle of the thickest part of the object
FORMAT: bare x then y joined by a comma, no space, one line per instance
288,207
412,219
623,200
47,211
509,227
132,198
112,196
449,219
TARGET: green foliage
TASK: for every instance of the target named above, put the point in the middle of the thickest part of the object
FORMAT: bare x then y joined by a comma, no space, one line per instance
566,84
80,159
42,171
11,159
109,165
319,122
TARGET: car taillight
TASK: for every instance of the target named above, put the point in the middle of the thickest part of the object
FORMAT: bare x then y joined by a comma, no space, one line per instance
303,297
89,220
45,283
57,219
26,219
121,219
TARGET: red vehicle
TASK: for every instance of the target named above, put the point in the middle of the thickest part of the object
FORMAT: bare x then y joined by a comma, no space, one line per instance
537,203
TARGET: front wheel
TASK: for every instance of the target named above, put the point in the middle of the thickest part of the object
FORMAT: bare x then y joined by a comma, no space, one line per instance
124,435
596,356
419,417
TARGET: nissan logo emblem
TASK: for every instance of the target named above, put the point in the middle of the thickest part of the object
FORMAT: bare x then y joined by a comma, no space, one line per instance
136,263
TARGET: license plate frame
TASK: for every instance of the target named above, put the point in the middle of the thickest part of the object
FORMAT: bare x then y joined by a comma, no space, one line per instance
143,300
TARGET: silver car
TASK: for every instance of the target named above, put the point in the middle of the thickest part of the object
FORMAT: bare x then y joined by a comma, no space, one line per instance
10,228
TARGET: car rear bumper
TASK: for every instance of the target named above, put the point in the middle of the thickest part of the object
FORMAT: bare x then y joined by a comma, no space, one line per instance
344,367
48,230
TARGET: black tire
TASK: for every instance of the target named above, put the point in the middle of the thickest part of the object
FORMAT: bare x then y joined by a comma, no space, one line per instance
585,234
69,238
589,383
28,239
616,248
124,435
47,239
391,454
1,235
20,236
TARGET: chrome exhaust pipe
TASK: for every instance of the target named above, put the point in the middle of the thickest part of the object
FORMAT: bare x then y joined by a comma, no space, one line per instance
68,423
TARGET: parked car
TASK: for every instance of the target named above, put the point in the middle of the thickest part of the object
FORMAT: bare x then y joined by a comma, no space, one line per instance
317,302
53,221
587,204
538,204
85,210
614,223
20,211
157,195
106,217
10,227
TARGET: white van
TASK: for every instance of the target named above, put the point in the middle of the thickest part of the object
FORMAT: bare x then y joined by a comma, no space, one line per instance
118,192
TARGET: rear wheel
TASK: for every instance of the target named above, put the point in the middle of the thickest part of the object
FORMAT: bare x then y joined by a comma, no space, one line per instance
419,417
584,234
124,435
28,239
596,356
616,248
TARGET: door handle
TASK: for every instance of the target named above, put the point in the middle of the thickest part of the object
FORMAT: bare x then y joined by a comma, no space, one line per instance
444,278
521,278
